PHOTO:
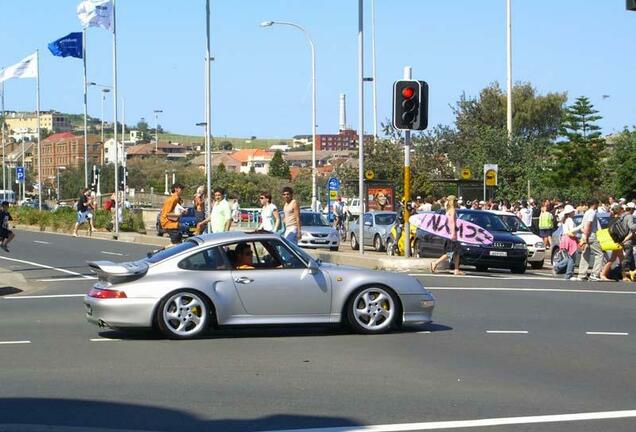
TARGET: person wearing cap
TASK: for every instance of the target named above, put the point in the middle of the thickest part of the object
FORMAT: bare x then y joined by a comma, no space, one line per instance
592,255
568,241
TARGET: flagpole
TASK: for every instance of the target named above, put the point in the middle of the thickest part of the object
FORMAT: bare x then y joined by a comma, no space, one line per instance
37,109
4,173
208,113
85,110
115,120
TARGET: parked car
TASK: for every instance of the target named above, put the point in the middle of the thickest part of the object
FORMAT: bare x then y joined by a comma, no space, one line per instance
377,229
317,232
506,251
185,290
187,224
536,246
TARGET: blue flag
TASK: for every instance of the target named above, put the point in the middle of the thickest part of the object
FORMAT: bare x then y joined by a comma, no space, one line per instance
69,45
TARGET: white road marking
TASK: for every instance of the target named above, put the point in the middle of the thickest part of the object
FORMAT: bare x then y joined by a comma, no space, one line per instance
22,342
590,291
18,297
112,253
501,421
507,331
41,242
105,340
82,279
46,267
423,332
494,276
607,333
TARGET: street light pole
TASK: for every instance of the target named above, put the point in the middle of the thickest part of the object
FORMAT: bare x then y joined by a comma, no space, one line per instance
59,192
509,51
313,104
104,91
157,129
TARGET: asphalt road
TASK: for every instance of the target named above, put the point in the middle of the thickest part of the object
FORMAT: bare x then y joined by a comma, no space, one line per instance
504,347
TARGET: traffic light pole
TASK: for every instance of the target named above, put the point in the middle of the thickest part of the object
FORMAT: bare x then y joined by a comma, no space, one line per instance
407,181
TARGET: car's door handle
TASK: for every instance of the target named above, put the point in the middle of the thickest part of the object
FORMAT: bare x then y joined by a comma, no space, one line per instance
243,280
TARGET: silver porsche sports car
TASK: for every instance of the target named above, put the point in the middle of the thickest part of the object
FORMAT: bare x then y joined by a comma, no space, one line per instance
238,278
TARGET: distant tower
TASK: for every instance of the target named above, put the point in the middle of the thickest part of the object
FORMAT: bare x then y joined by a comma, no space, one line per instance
343,112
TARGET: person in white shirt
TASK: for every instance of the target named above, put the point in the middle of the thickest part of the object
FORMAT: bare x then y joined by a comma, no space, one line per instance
525,214
270,219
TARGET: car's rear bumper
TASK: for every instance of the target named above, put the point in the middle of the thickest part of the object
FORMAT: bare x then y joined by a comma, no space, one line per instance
119,313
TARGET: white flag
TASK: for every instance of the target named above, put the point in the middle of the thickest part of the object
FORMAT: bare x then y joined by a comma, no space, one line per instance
26,68
96,13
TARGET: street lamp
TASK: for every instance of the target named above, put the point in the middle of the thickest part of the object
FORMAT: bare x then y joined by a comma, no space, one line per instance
157,129
59,192
104,91
166,191
313,103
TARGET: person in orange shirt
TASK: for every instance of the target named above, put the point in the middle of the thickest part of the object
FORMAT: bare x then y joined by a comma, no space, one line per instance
168,218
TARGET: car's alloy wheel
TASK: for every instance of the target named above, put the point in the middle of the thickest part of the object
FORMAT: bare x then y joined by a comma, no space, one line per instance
390,247
377,243
354,242
183,315
372,310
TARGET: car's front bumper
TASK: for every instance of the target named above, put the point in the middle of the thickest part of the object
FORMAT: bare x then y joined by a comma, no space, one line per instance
322,243
484,257
536,255
417,308
120,313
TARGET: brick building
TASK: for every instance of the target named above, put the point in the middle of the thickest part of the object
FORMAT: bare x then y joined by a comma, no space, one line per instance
346,139
67,150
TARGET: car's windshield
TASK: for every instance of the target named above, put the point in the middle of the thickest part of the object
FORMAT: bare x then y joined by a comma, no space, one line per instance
312,219
170,252
385,219
515,224
485,220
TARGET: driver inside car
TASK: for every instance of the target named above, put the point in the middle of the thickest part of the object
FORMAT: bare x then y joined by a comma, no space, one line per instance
244,254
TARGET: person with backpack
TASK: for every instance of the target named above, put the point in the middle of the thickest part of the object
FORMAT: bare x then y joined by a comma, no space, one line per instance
568,242
622,228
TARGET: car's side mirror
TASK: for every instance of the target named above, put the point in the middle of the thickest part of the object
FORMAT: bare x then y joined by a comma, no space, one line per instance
312,267
367,223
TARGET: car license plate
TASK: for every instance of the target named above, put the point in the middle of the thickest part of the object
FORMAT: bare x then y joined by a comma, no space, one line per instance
321,241
498,253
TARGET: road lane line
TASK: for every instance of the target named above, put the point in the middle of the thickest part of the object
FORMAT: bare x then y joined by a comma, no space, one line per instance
105,340
507,331
40,241
19,297
455,424
423,332
112,253
591,291
45,266
494,276
607,333
22,342
84,279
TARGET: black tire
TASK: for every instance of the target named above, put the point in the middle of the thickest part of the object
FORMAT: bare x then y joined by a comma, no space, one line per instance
334,249
481,268
386,325
354,242
377,243
537,265
520,269
389,247
416,250
159,231
205,314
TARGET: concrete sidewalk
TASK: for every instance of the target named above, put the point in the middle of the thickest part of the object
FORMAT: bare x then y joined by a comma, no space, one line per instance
345,256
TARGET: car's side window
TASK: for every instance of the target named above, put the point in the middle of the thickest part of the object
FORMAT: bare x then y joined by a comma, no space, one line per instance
288,258
368,218
205,260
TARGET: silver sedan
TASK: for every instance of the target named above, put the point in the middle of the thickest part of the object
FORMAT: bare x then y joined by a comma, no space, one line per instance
238,278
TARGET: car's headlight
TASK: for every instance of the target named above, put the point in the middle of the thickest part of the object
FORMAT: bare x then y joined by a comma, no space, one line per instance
539,245
520,246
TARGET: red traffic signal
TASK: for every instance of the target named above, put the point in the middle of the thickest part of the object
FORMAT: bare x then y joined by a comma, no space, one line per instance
408,92
410,105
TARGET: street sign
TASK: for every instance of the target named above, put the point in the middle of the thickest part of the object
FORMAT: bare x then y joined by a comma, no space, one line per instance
334,184
466,174
490,174
19,174
369,174
333,195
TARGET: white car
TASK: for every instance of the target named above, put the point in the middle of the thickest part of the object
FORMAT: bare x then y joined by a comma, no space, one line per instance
536,246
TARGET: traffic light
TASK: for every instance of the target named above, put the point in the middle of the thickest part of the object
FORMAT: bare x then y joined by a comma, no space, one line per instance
631,5
410,105
121,177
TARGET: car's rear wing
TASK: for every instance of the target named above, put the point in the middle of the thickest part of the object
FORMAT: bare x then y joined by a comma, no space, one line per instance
118,272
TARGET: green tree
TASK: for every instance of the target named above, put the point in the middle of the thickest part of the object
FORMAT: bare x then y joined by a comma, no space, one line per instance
577,161
278,167
621,164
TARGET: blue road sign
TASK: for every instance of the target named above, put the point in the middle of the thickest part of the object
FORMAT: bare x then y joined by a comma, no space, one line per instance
19,173
334,184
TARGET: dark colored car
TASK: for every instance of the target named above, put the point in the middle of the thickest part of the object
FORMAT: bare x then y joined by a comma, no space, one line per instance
506,251
187,224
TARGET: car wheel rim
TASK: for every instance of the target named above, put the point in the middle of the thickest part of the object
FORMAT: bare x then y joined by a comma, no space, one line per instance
184,314
354,243
377,243
373,309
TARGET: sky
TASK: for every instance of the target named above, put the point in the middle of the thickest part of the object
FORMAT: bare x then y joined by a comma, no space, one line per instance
261,77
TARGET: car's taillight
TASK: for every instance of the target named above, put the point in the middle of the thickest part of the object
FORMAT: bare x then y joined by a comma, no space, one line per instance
105,293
